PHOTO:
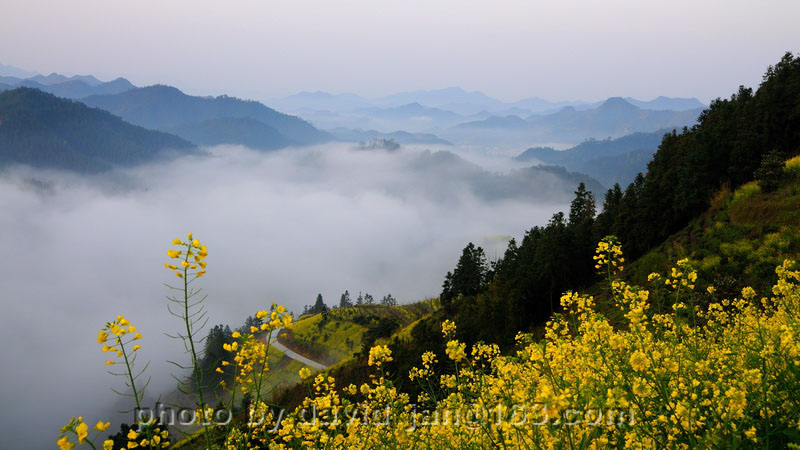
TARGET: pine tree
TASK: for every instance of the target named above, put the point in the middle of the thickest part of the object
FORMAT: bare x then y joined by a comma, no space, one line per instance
319,306
344,300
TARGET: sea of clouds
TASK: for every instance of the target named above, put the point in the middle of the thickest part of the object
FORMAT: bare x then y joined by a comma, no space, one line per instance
280,227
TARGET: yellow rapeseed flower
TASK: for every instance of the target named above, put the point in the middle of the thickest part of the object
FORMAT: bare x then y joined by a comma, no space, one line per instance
639,360
82,430
448,328
65,444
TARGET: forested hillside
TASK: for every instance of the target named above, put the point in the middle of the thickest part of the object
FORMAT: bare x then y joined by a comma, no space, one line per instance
734,138
42,130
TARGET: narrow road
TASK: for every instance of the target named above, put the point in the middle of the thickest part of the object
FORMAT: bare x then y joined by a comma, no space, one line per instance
297,357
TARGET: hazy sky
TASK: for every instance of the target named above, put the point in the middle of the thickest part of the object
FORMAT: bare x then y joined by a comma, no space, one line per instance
508,49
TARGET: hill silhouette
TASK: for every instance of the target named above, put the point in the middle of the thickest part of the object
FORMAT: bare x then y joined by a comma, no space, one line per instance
42,130
165,107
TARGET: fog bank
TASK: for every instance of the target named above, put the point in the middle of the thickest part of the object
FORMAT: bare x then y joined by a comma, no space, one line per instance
280,227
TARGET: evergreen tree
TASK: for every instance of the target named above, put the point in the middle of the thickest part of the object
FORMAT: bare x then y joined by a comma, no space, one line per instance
319,306
582,208
388,300
469,277
344,300
605,224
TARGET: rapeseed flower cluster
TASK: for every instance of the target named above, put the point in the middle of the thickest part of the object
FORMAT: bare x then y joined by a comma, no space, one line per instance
191,257
80,429
726,375
151,437
608,256
378,355
682,275
121,332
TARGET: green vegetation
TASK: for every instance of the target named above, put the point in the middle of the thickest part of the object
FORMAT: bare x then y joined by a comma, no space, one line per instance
739,241
723,151
337,334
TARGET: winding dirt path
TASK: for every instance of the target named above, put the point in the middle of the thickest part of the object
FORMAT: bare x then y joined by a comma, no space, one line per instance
293,355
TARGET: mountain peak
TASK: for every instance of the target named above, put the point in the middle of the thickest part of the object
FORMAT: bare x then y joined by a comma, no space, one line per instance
617,103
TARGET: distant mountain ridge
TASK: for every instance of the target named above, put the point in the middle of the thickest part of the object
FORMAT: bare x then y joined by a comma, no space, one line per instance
609,160
615,117
42,130
462,102
165,107
473,118
202,120
667,103
11,71
74,87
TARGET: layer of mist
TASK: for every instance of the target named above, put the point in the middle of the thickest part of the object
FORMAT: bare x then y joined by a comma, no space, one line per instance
280,227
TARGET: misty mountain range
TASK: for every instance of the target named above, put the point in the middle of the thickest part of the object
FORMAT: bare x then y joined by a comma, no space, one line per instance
162,107
456,116
609,160
615,117
201,120
74,87
473,118
459,101
41,130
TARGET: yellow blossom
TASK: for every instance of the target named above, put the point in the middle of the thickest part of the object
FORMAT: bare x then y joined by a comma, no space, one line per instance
65,444
82,430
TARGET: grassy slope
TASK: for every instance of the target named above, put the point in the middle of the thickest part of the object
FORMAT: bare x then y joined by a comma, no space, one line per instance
738,242
340,335
283,384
